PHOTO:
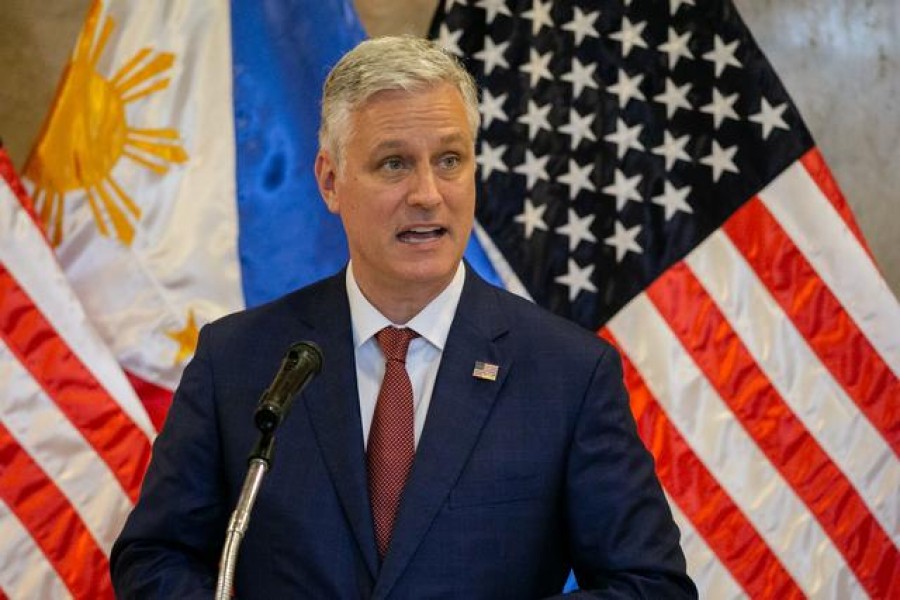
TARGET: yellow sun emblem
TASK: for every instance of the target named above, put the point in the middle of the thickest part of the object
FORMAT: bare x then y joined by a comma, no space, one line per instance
87,133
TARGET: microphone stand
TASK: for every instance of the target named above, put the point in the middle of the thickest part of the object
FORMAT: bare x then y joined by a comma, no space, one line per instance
302,362
260,461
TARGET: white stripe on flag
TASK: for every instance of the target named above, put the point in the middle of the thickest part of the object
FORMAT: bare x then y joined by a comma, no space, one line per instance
730,454
825,410
25,572
820,233
60,450
704,567
25,254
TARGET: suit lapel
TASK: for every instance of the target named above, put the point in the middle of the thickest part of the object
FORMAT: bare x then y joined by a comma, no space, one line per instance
334,412
460,404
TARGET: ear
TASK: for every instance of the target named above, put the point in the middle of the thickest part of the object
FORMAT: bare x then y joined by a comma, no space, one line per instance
326,176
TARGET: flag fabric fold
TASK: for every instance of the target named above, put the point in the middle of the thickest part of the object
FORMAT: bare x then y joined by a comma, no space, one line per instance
74,438
644,173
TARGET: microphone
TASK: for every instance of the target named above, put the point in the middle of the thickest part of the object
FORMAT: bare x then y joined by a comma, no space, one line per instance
301,363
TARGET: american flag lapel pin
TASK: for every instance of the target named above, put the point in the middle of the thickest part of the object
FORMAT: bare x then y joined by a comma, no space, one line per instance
485,370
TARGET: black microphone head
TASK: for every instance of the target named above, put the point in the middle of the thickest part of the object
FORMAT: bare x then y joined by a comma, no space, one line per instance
307,352
302,362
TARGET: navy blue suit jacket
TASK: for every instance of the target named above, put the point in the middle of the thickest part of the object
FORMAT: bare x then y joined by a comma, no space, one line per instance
515,481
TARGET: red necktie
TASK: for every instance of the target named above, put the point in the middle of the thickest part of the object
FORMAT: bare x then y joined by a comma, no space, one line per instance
391,443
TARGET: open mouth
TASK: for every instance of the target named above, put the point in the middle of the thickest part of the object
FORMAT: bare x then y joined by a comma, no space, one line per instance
421,235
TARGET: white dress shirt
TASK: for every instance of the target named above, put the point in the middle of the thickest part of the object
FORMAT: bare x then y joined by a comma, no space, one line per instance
422,359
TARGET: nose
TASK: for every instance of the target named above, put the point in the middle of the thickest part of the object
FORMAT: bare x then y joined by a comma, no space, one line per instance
424,190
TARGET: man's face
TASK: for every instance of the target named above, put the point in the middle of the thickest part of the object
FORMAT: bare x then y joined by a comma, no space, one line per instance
406,193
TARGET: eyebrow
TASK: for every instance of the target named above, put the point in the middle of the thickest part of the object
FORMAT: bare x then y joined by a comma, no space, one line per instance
453,137
393,144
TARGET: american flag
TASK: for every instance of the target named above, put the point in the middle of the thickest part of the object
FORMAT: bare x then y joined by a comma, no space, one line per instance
643,172
485,370
74,438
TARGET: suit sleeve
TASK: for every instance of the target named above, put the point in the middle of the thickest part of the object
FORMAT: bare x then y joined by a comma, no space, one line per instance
171,542
622,538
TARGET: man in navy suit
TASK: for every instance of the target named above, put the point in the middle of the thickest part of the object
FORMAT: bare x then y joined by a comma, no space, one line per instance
526,459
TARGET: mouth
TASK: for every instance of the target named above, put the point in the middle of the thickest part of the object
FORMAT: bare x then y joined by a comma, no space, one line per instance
422,234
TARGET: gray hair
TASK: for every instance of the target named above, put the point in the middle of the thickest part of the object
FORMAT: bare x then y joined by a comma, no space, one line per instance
387,63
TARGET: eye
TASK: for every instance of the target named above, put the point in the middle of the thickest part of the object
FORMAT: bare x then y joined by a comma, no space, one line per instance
450,161
392,164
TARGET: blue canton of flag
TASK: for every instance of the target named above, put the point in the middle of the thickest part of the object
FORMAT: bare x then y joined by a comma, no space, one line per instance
615,137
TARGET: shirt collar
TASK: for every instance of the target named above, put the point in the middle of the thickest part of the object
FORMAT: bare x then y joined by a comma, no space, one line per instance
432,323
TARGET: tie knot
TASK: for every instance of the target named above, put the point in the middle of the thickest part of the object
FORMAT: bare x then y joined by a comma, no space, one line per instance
394,342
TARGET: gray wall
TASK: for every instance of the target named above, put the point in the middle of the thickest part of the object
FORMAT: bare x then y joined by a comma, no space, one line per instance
840,60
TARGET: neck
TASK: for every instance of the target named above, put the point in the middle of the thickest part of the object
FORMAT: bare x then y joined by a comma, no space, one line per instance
402,302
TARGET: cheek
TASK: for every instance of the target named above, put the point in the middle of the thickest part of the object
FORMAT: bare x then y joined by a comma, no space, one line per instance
362,218
461,197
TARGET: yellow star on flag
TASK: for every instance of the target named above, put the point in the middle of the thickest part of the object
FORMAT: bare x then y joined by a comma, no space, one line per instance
186,338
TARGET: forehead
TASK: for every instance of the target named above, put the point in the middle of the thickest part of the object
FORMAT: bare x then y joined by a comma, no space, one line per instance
438,107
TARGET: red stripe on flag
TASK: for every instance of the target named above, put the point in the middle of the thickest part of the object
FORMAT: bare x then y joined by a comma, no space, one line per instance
818,316
717,350
156,399
715,516
52,522
815,165
72,386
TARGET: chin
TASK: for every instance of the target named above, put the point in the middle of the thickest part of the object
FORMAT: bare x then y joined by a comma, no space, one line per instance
428,272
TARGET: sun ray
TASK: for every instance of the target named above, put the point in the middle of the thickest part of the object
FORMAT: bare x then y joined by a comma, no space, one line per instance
101,42
49,211
42,204
159,85
98,217
155,167
168,152
132,63
39,198
56,237
160,63
124,229
130,204
166,133
82,52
